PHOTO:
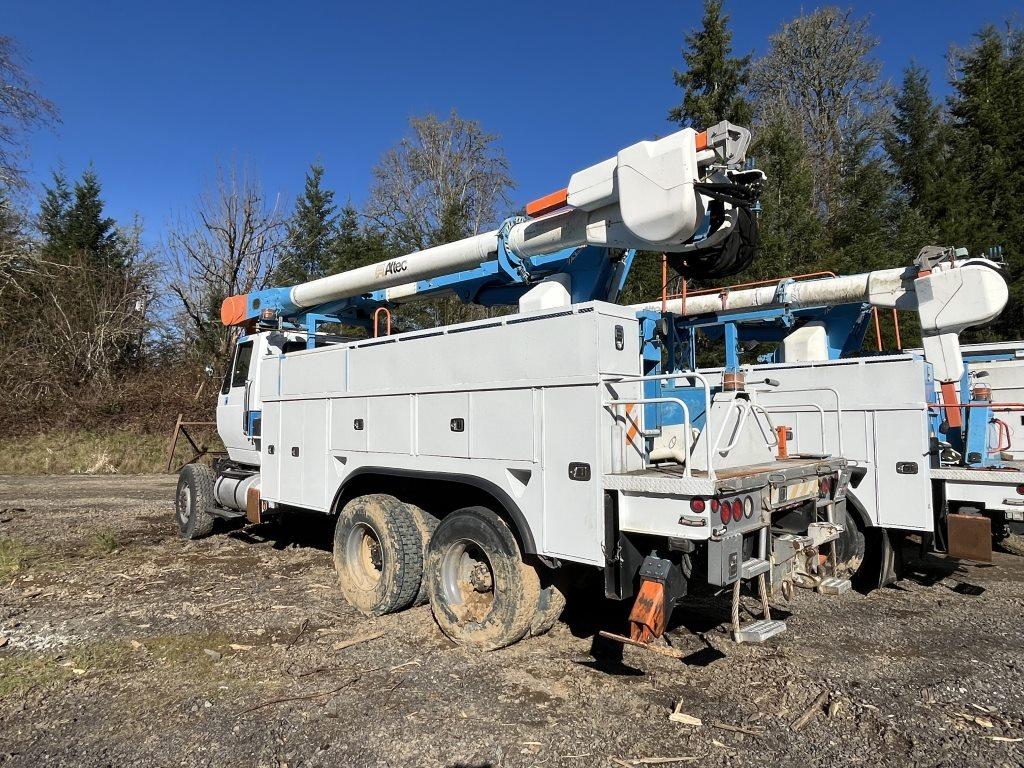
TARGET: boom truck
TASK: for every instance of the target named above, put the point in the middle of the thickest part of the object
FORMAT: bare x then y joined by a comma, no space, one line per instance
468,465
915,425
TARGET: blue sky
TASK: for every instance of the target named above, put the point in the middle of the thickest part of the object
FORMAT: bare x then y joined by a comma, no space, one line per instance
154,94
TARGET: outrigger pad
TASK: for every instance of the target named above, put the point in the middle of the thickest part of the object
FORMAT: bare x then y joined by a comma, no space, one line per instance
649,617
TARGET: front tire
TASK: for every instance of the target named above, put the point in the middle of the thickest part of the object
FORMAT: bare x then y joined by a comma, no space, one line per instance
192,501
481,592
377,554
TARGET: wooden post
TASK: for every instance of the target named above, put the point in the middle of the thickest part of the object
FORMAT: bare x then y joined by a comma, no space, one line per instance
173,445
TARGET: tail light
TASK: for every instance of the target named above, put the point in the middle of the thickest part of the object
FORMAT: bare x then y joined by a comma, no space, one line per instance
725,512
825,484
748,506
697,504
1020,490
737,510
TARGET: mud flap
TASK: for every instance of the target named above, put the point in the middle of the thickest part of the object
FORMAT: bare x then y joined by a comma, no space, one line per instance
969,537
883,563
253,506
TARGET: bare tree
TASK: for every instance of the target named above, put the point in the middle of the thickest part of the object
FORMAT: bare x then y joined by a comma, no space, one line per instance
225,245
448,175
21,109
820,69
447,180
75,324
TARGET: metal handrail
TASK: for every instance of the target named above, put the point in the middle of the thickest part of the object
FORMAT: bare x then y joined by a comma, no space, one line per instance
839,408
775,436
742,406
652,401
665,377
796,409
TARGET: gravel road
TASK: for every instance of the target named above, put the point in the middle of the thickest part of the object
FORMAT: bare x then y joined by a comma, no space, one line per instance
121,645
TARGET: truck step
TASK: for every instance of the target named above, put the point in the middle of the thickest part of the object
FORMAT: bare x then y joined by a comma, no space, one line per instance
759,631
754,567
834,586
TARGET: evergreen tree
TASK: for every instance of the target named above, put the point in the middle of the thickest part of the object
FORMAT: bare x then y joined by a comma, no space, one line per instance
53,209
792,234
74,228
986,195
914,143
713,82
311,234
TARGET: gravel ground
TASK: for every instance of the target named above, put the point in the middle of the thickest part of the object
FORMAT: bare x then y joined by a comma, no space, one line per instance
121,645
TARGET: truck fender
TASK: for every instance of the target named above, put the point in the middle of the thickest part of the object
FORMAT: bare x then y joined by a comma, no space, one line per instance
504,504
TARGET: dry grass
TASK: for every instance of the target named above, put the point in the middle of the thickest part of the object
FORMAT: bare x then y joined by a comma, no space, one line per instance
79,452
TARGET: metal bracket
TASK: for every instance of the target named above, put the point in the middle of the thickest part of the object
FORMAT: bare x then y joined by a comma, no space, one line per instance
513,266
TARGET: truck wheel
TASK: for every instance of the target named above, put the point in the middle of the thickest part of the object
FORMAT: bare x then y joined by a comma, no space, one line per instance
193,500
850,546
481,591
426,524
549,606
377,554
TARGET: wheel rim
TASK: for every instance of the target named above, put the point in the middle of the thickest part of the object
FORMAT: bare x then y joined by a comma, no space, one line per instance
364,556
467,580
184,504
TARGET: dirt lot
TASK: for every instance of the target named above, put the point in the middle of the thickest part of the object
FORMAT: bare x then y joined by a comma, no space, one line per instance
122,645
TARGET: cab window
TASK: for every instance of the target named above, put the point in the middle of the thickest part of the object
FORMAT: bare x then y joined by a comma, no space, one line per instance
240,370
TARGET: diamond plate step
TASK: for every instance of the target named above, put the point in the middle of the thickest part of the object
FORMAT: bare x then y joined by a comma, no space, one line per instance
834,586
759,631
754,567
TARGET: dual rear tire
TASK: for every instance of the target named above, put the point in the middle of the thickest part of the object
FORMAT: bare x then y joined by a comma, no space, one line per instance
390,555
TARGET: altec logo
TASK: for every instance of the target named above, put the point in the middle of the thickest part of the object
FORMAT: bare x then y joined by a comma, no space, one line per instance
392,268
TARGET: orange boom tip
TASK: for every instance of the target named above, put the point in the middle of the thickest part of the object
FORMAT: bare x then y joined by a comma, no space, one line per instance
548,203
233,310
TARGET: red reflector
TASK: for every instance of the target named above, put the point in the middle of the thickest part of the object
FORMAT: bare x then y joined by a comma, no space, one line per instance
1020,490
825,485
697,504
726,512
737,510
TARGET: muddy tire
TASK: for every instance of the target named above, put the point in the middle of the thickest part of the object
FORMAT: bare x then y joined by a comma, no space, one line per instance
549,606
481,592
426,524
193,500
1013,544
851,545
377,554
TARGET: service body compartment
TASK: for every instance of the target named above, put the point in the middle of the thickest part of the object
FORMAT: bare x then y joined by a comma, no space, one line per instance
514,405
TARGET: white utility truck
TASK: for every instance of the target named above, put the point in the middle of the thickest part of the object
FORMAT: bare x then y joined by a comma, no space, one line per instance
468,464
891,416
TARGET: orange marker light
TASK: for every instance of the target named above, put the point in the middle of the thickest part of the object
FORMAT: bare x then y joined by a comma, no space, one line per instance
702,140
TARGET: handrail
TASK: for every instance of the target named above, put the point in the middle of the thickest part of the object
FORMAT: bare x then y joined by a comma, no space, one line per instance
741,405
775,435
795,409
376,321
651,401
679,375
839,408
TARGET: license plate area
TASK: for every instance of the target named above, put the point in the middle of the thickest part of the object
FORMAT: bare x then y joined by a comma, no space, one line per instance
793,492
